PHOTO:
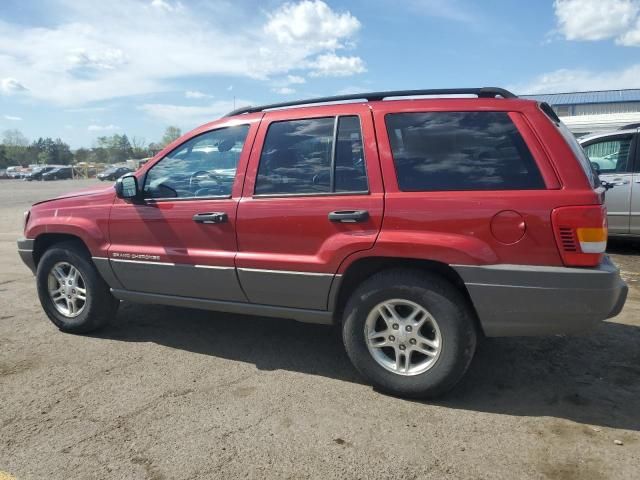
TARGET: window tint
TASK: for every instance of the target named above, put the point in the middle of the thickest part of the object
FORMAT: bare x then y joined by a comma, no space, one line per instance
460,151
298,157
350,173
610,155
203,166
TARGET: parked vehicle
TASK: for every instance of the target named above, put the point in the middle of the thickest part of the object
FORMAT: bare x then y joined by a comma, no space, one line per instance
58,173
417,225
615,156
38,172
113,173
15,172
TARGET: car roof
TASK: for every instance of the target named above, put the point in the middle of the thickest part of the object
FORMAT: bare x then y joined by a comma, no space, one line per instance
595,136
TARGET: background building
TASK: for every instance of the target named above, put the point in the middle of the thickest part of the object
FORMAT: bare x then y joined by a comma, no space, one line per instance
592,112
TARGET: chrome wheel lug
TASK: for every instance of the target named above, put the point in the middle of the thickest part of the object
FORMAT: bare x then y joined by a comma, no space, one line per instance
408,328
402,347
412,341
395,326
392,338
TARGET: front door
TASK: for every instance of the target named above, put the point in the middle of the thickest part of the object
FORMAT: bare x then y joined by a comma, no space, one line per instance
611,157
313,196
181,239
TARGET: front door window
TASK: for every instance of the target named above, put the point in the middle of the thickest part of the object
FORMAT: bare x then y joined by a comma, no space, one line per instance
204,166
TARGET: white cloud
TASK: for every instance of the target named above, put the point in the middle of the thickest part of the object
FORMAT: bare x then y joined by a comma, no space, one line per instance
166,5
566,80
311,23
13,118
189,116
332,65
107,59
196,94
599,20
102,128
9,86
632,37
284,90
104,50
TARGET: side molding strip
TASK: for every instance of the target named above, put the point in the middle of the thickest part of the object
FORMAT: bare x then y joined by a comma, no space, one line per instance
299,314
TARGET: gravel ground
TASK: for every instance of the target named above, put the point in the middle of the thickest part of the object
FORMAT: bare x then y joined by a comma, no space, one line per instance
168,393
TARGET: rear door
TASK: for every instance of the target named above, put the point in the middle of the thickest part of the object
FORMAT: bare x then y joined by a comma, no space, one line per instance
612,158
313,195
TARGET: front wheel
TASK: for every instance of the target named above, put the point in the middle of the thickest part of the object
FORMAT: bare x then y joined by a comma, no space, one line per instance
72,293
410,333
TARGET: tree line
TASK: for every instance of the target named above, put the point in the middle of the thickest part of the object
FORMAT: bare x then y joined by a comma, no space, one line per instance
16,149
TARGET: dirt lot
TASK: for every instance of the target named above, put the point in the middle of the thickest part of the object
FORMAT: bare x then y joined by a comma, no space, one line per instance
170,393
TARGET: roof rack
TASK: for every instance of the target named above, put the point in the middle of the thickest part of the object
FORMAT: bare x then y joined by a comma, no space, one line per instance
484,92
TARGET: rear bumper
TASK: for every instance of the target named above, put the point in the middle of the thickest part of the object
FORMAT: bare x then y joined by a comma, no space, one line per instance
25,250
513,300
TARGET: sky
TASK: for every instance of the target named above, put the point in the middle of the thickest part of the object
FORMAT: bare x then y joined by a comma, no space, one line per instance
82,69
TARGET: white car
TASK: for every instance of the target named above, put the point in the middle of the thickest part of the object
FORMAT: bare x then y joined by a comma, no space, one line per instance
615,156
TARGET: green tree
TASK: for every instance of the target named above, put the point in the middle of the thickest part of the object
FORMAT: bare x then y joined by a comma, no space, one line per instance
14,138
82,155
170,134
15,148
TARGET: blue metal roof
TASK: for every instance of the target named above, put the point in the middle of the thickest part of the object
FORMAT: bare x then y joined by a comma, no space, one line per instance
578,98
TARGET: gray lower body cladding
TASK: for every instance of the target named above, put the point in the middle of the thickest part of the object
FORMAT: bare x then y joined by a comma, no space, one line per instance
25,250
299,314
513,300
286,289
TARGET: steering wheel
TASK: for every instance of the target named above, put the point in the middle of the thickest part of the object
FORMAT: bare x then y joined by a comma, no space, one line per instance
194,177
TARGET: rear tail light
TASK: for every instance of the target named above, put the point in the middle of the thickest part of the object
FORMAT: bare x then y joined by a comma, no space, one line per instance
581,234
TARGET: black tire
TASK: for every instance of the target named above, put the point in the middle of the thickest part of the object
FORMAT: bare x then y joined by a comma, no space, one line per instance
100,306
443,301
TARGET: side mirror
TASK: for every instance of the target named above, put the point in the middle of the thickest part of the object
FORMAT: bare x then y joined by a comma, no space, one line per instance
127,187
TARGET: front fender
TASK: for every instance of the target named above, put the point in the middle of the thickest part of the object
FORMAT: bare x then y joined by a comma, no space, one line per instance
87,219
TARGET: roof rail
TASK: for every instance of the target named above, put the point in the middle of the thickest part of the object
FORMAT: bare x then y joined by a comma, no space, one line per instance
484,92
630,126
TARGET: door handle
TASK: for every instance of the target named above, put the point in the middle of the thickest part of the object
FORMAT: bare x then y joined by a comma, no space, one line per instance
348,216
211,217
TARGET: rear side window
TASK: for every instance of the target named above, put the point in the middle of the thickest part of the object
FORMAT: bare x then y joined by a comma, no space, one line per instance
436,151
312,156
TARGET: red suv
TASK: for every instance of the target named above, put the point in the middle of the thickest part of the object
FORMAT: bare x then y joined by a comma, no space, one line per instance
417,225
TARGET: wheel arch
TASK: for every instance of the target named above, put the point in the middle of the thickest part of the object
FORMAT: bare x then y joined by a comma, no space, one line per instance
363,268
45,241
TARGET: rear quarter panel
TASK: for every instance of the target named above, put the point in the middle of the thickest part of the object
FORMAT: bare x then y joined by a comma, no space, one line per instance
454,227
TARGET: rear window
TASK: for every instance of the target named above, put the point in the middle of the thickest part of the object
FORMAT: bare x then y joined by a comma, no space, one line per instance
579,153
436,151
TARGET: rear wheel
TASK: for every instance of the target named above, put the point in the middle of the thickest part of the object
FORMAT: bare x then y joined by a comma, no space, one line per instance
72,293
410,333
